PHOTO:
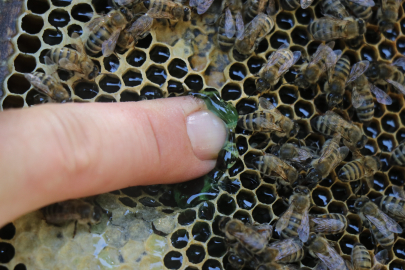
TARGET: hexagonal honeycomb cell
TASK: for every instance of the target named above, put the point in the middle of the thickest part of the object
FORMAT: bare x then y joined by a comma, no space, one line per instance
146,228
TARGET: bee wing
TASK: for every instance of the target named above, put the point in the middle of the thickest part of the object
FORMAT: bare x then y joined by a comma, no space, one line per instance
334,260
388,224
381,257
141,26
357,98
159,14
318,54
95,23
398,192
306,3
280,171
381,96
267,124
323,224
37,83
282,223
271,7
78,46
284,67
203,6
321,266
303,154
364,3
240,26
265,104
193,3
303,229
400,62
331,147
68,65
399,211
230,28
358,69
397,85
108,46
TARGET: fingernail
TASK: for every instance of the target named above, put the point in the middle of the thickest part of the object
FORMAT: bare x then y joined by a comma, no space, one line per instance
207,134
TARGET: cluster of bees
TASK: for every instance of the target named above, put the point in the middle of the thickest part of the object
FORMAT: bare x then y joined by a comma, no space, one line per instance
242,27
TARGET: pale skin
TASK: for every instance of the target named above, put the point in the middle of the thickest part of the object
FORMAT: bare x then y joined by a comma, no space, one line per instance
51,153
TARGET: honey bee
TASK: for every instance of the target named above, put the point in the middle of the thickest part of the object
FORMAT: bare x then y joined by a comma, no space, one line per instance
50,85
289,250
268,163
331,156
380,259
293,4
361,9
388,14
74,60
269,120
331,122
254,33
330,28
383,73
80,211
167,9
335,8
324,59
340,78
138,30
295,154
362,99
319,248
201,5
254,238
363,167
398,155
278,63
295,221
393,205
381,226
361,259
327,223
231,24
104,31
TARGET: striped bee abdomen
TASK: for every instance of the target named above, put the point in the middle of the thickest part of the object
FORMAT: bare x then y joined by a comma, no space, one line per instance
385,241
352,171
224,43
398,156
342,68
290,4
393,206
56,54
361,259
365,112
292,228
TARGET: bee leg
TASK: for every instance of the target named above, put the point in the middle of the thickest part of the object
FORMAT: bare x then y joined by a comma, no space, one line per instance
356,190
89,227
74,230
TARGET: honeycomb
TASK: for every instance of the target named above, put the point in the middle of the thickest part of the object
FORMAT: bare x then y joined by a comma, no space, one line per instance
146,227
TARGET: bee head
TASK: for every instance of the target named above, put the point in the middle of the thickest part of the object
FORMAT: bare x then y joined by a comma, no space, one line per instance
362,26
97,213
385,25
334,99
301,190
187,14
262,85
360,202
94,73
311,239
301,82
362,142
373,70
313,177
